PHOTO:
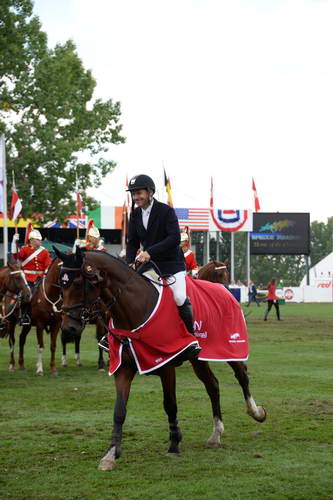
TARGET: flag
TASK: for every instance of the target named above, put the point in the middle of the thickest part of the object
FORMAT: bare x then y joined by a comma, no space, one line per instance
228,220
197,219
79,205
15,206
53,223
28,230
256,199
168,188
74,221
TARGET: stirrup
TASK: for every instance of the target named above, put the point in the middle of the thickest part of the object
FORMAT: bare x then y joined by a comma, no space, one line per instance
25,321
104,343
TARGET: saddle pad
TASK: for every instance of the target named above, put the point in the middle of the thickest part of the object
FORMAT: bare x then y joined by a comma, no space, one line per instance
219,325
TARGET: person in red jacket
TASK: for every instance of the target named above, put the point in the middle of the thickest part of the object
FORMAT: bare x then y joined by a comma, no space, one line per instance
35,261
189,256
272,298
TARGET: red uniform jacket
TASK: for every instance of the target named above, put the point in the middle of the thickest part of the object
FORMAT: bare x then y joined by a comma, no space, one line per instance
37,266
190,261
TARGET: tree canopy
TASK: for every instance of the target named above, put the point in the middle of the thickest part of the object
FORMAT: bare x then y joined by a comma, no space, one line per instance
57,135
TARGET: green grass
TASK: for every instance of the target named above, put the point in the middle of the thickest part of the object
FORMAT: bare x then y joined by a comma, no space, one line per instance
54,430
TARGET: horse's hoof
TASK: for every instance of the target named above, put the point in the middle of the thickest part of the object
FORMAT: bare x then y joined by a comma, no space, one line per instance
102,370
106,465
213,444
174,454
64,365
11,368
54,373
263,414
40,373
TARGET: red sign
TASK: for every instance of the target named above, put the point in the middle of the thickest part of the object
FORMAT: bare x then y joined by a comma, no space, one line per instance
288,294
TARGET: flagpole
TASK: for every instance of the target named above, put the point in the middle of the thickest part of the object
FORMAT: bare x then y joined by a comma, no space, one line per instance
14,188
248,258
4,194
232,257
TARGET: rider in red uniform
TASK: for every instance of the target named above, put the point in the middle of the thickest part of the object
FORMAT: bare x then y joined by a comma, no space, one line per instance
93,240
189,256
35,261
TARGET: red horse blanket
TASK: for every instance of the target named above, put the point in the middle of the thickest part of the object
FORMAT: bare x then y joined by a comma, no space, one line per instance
218,321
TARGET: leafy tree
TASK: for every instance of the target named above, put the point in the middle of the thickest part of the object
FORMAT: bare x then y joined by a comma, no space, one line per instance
57,137
321,240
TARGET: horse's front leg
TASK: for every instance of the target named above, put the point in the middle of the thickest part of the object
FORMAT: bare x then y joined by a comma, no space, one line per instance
11,342
123,380
168,380
240,371
207,377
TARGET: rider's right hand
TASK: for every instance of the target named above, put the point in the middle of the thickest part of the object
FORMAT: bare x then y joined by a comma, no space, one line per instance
16,237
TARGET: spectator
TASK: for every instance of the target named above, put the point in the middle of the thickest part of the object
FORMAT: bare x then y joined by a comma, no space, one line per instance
252,294
272,298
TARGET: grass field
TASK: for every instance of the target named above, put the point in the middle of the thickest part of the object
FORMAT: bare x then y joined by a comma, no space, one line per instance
54,430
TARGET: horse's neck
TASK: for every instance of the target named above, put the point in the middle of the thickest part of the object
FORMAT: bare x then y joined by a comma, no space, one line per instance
51,282
132,300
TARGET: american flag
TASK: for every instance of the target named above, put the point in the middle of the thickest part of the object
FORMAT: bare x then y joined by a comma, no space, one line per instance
197,219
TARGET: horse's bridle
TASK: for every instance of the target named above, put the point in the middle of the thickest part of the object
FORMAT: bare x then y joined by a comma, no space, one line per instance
87,312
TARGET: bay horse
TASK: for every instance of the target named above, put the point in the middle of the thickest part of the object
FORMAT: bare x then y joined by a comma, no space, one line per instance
14,291
215,272
45,315
92,276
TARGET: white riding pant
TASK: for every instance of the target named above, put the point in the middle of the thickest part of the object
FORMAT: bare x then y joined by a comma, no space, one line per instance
178,288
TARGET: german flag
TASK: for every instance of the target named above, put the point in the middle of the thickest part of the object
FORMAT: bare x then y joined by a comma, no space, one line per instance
168,188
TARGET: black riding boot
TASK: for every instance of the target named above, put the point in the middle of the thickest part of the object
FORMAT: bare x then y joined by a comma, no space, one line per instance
185,312
104,343
25,314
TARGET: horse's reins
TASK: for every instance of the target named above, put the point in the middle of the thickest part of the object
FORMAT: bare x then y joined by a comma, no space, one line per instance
53,304
14,296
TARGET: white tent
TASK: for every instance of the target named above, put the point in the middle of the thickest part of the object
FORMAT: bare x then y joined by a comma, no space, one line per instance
322,271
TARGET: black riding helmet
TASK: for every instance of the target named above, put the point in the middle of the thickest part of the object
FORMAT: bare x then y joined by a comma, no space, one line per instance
141,182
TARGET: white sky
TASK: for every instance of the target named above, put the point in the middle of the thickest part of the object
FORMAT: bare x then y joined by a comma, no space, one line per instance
228,88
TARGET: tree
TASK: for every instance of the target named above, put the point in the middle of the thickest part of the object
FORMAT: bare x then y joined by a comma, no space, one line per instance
57,137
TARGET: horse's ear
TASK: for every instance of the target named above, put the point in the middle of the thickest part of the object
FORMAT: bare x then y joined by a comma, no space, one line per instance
59,253
226,262
78,256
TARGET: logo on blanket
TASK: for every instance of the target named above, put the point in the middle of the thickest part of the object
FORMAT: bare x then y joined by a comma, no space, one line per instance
235,338
198,326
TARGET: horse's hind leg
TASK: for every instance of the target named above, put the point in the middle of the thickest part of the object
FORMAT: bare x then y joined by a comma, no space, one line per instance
22,339
207,377
123,380
240,371
168,380
77,341
53,346
64,355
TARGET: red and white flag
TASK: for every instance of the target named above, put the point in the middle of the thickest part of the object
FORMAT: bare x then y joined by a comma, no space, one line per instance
256,199
15,205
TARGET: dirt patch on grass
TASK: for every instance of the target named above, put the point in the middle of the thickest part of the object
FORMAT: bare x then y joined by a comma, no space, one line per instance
319,408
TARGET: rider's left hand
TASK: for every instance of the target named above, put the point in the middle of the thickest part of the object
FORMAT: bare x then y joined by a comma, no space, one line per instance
143,257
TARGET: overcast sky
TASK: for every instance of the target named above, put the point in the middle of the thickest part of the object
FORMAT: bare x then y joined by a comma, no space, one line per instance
228,88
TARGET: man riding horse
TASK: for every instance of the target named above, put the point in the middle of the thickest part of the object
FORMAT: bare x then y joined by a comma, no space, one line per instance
154,235
93,239
35,260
